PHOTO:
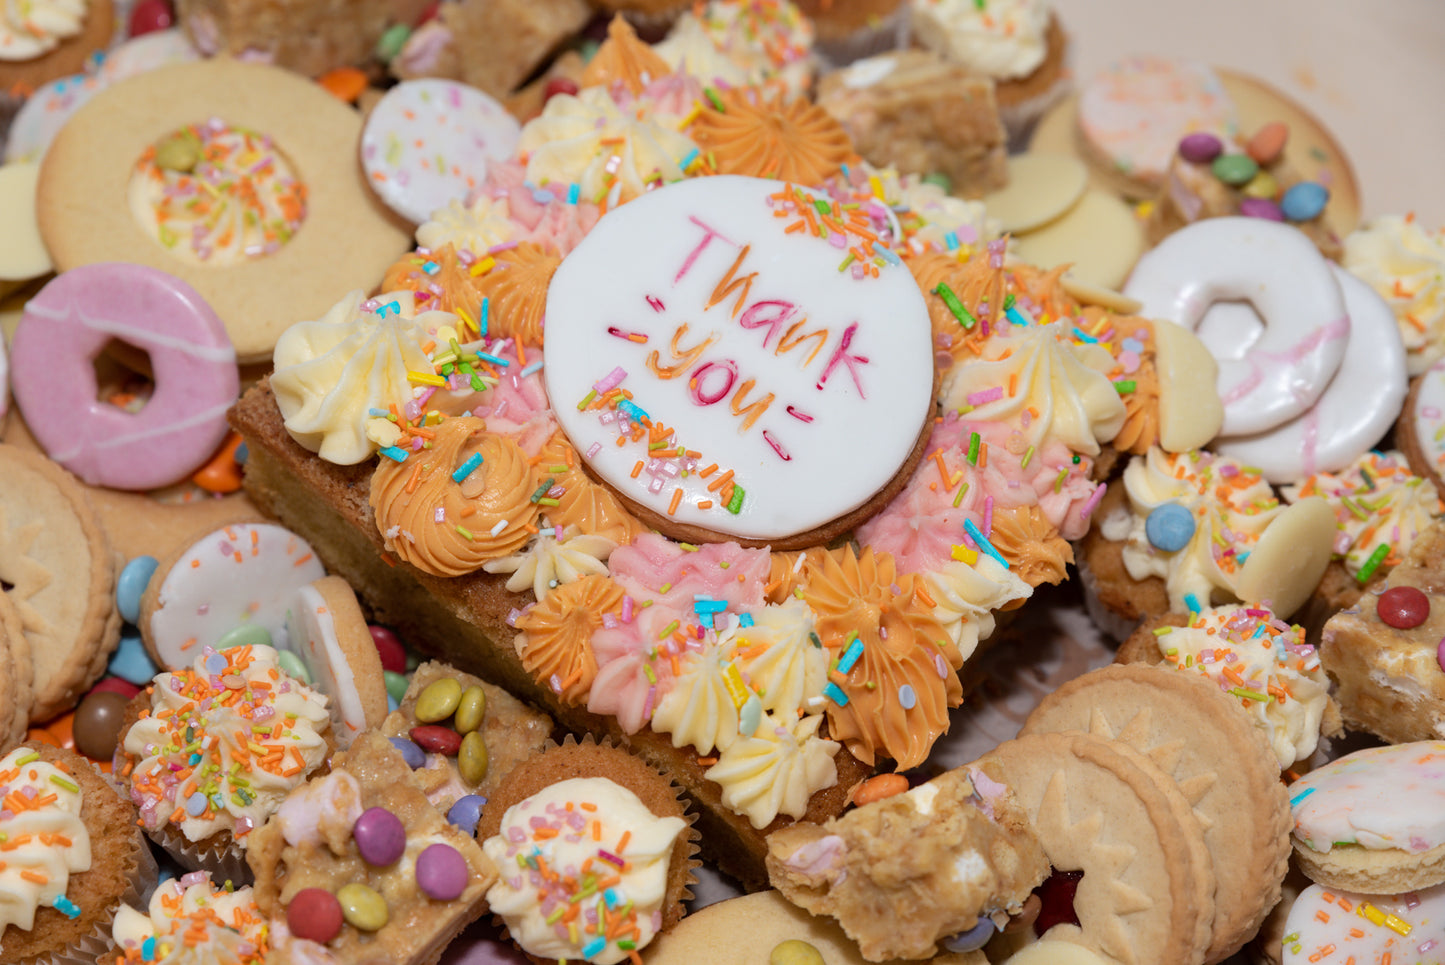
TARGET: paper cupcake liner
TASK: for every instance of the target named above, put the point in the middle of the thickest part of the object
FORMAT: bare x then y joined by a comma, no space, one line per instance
220,853
1113,625
889,33
98,946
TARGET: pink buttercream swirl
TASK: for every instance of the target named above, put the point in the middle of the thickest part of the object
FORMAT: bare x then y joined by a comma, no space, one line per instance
541,216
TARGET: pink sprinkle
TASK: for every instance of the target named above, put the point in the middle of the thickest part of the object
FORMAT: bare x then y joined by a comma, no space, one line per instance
593,450
627,609
610,381
504,246
987,516
1093,501
986,395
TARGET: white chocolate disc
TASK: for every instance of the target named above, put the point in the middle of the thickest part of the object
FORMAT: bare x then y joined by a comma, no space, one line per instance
1099,236
242,573
427,142
1357,409
1213,266
1041,187
22,253
1190,412
1287,563
806,382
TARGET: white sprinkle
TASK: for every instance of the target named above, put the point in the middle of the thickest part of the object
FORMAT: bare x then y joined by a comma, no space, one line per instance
501,525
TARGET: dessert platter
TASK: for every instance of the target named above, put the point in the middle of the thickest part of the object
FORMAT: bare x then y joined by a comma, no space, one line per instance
787,481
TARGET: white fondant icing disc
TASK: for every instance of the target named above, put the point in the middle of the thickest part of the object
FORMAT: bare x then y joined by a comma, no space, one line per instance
807,382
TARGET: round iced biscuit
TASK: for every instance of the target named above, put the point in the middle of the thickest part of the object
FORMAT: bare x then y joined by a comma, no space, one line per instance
242,574
60,573
347,239
1099,236
1098,806
1041,187
1420,432
327,630
1374,821
1221,762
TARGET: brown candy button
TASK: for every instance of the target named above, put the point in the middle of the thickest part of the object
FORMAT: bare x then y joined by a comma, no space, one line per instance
97,724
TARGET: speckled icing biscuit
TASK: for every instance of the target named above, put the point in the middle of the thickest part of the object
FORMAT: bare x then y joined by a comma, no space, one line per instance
1326,924
346,239
1221,763
1420,433
1374,821
17,676
59,573
327,630
1097,805
242,574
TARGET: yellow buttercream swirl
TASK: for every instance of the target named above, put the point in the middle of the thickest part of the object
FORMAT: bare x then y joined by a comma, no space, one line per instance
777,770
36,868
330,373
556,639
549,562
34,27
699,709
777,657
965,597
901,686
589,141
1405,265
450,528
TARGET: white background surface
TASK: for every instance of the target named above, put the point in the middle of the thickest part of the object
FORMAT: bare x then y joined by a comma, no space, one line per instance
1372,71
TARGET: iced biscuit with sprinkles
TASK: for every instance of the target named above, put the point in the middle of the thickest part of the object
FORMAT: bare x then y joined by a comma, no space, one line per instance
1328,924
209,751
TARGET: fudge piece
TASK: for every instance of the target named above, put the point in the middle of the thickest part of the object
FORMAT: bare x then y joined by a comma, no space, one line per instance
922,115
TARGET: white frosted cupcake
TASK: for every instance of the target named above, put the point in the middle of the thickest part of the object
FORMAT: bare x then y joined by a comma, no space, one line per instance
190,922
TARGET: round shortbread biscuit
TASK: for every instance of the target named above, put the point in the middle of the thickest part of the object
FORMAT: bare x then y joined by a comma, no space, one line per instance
16,677
1221,762
58,570
347,240
1100,807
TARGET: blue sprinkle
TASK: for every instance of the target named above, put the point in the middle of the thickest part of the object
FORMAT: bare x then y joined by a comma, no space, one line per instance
466,468
485,357
983,544
1132,345
242,454
532,369
377,413
633,410
542,196
705,621
595,946
1084,336
951,240
907,697
1258,632
216,663
483,312
193,760
131,586
835,694
394,452
431,267
66,907
687,159
574,192
467,812
850,656
1242,557
746,620
1015,317
888,255
148,949
1294,801
613,897
1192,601
705,605
386,308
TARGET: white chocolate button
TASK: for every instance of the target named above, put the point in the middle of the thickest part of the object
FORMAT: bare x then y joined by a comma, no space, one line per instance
22,253
1290,558
1056,952
1356,410
1213,266
1099,236
1041,187
809,384
1190,412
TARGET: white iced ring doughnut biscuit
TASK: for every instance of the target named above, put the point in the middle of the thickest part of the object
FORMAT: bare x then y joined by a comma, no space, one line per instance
1278,271
1356,410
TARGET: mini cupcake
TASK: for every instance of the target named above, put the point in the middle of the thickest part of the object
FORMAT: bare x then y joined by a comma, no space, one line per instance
72,857
849,30
210,751
743,42
587,827
1018,43
43,40
187,914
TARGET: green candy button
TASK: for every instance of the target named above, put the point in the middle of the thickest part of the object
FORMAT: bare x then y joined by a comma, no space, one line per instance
292,666
396,684
246,635
1235,169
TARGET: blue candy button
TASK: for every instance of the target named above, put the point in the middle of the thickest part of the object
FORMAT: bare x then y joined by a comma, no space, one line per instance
467,812
1169,527
1304,201
132,584
973,939
130,662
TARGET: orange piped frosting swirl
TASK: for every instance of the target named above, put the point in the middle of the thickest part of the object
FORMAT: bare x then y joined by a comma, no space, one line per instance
902,685
624,59
516,287
1141,407
441,281
770,136
448,528
556,640
585,504
1036,552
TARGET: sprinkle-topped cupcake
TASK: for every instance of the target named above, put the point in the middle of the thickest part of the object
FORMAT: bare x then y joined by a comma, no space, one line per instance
191,922
215,748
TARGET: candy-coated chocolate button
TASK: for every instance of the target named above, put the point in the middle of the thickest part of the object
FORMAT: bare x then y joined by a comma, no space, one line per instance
363,907
466,812
130,662
414,756
393,654
436,739
559,85
396,684
115,685
1200,147
1267,143
314,914
380,837
973,939
1262,185
149,16
794,951
441,872
1403,607
1260,208
879,787
472,758
1169,527
1440,655
438,700
223,473
293,666
97,723
1235,169
471,709
391,42
1304,201
247,635
132,585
